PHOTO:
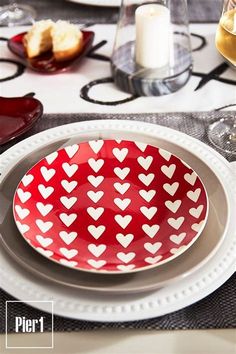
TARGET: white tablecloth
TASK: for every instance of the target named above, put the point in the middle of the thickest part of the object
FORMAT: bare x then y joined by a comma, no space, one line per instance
61,92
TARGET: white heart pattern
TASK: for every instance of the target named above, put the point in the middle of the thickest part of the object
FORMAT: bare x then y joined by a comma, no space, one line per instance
173,206
122,173
126,257
151,231
23,228
120,154
52,157
153,260
145,162
141,146
27,179
148,212
121,188
125,267
171,188
95,196
198,226
69,186
196,212
68,202
96,231
44,209
147,195
71,150
168,170
112,208
190,178
68,237
96,264
96,145
96,165
68,253
68,219
177,239
95,213
122,203
97,250
179,250
67,263
47,173
123,221
46,253
176,223
70,169
24,196
146,179
44,241
44,226
152,247
95,181
194,195
124,240
21,212
45,191
165,154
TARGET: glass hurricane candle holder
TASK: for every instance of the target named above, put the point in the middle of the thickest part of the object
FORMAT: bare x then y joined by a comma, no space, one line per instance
152,51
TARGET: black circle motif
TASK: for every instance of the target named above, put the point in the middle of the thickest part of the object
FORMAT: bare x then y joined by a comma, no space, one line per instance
84,93
202,44
20,68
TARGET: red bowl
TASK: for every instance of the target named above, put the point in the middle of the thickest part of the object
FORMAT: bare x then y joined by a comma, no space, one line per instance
111,206
46,63
17,115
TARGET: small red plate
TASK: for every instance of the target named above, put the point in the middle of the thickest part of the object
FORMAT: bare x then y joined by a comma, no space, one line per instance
46,62
17,115
111,206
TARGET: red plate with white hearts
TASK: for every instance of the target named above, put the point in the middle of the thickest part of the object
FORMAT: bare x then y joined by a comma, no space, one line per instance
111,206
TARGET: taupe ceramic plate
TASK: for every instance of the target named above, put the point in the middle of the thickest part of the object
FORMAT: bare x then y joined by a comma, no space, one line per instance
148,280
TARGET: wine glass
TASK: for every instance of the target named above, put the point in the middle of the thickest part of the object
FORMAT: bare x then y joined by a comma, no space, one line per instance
222,133
15,14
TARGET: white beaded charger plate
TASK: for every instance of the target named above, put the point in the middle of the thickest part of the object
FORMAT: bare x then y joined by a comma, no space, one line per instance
89,306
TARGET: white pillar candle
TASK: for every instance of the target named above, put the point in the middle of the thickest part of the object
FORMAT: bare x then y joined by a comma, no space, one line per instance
152,35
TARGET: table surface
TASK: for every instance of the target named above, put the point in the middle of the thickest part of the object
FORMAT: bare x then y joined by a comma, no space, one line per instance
132,342
88,87
199,11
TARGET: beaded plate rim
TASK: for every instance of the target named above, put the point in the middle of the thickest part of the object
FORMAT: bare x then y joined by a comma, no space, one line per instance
158,303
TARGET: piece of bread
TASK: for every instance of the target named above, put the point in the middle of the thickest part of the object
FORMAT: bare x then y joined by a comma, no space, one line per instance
38,40
67,40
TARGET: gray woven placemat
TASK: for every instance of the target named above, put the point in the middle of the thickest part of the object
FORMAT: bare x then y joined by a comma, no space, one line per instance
192,123
218,310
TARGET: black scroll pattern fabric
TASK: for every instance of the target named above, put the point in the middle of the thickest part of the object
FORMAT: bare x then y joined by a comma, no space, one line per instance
215,74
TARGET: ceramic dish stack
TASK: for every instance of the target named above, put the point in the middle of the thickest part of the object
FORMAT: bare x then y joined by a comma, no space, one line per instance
134,219
110,206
